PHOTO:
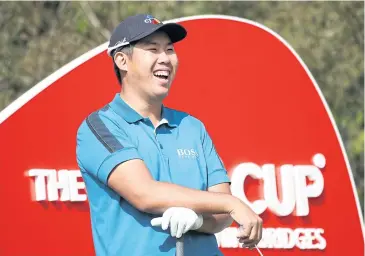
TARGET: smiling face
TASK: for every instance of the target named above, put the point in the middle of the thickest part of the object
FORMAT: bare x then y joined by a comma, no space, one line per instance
151,68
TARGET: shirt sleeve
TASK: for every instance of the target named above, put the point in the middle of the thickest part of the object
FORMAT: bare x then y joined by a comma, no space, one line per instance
216,171
101,146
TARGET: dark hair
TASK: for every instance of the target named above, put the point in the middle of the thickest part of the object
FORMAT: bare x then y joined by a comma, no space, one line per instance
117,73
128,50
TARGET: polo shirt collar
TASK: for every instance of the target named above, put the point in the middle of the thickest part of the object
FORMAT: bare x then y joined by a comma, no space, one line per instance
132,116
168,117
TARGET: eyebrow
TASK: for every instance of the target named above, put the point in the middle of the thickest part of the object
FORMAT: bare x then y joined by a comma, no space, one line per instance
148,42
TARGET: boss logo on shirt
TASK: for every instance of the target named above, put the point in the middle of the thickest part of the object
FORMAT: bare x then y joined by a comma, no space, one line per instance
187,153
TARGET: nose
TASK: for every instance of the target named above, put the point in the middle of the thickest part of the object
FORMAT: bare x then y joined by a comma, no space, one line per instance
163,58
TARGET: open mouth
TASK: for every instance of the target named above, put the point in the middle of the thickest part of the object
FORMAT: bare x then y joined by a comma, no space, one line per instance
163,74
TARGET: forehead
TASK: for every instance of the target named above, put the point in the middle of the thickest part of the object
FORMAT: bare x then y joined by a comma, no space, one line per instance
158,37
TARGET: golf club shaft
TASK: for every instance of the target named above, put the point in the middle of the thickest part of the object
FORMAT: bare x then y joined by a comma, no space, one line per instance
180,246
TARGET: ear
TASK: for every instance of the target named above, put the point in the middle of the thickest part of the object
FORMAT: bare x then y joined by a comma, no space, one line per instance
120,60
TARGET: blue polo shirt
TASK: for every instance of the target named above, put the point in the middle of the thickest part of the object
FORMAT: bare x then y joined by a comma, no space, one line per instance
178,151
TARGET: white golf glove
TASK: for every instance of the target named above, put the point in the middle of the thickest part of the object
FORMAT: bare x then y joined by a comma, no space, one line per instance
180,220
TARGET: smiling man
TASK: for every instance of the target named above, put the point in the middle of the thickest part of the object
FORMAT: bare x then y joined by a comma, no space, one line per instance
152,173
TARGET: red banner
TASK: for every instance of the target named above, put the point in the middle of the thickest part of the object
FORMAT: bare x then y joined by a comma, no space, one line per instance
265,113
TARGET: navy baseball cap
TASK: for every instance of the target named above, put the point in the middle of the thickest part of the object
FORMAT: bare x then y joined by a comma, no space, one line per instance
134,28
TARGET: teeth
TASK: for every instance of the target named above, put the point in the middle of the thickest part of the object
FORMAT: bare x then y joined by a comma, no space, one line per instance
162,73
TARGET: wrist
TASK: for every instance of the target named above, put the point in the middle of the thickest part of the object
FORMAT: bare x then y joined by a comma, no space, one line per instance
232,204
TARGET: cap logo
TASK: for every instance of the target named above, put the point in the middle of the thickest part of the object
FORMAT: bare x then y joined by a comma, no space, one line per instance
151,19
121,42
117,44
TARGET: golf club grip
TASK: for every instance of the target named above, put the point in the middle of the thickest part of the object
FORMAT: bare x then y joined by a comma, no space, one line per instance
180,246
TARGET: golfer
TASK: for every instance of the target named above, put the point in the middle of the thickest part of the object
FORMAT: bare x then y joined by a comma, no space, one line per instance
152,173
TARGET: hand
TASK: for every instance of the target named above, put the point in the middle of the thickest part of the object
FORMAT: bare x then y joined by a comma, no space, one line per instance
180,220
250,231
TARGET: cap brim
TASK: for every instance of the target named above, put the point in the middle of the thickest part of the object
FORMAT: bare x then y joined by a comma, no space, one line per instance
175,32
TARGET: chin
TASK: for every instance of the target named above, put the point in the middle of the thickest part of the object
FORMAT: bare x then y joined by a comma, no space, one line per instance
160,91
160,95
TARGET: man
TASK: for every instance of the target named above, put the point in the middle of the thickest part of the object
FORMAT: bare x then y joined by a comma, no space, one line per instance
141,160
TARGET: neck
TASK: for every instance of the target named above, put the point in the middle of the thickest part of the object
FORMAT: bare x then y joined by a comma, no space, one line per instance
145,108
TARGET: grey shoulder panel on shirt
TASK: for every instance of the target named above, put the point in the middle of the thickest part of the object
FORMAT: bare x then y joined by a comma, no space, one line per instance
101,131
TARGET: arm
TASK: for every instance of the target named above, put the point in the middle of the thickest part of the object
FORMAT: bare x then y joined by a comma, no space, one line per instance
148,195
215,223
